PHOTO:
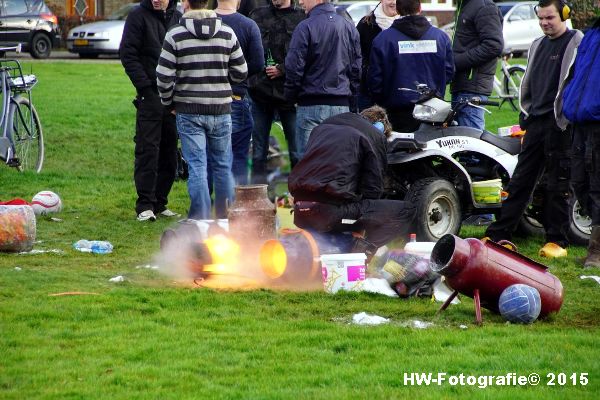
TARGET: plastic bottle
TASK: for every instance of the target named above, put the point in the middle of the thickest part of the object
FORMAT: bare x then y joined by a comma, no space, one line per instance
422,249
93,246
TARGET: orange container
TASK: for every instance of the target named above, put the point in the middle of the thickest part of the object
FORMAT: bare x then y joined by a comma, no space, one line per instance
17,228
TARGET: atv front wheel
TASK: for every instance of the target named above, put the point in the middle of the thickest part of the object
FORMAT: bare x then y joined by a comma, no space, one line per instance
438,210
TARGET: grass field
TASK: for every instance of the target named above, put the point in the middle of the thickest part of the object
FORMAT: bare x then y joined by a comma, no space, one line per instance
152,337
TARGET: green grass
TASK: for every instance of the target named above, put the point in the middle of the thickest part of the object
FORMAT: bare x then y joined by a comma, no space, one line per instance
152,337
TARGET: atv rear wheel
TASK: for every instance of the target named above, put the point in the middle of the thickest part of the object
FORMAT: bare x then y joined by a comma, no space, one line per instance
438,210
579,227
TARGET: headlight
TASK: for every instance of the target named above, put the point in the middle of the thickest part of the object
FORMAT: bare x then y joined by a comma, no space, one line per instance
424,113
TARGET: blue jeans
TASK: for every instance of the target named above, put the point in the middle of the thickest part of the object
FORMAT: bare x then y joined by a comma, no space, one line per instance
307,117
207,138
469,116
263,115
241,132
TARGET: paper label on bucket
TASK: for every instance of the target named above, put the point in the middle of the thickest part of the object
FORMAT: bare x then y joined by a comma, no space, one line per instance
356,273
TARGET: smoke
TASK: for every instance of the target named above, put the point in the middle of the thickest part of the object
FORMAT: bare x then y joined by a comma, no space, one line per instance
206,253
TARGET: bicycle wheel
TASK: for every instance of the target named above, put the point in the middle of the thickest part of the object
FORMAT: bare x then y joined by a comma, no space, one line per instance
26,135
512,85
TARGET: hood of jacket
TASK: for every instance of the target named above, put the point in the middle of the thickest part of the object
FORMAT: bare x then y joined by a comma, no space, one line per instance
414,26
203,24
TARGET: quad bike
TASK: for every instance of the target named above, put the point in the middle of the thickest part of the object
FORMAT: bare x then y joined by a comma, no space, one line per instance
434,168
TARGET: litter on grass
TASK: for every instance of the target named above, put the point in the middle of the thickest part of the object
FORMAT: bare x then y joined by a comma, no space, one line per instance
118,278
417,324
594,277
18,268
441,292
38,251
147,266
380,286
366,319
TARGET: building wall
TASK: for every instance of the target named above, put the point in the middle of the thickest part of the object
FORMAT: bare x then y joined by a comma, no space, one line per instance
95,7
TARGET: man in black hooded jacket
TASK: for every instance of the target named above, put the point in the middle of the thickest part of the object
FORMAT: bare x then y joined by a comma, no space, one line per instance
477,44
155,129
338,184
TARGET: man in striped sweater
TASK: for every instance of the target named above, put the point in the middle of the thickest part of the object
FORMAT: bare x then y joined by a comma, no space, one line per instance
199,59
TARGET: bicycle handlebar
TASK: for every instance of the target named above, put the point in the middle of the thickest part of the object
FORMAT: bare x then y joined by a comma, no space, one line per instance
16,48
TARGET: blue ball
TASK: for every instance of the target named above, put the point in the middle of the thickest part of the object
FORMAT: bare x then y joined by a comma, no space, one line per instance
520,303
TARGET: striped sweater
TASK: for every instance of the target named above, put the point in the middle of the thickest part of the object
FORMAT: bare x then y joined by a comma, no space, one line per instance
199,59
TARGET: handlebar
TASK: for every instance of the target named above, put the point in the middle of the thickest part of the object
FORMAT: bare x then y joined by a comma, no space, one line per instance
479,102
16,48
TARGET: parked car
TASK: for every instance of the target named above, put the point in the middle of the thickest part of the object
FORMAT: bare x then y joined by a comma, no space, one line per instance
102,37
520,25
30,23
356,9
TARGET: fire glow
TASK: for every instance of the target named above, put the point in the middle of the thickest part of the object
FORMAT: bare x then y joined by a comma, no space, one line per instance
221,262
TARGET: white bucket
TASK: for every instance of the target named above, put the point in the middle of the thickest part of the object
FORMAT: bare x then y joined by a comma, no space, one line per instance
421,249
343,271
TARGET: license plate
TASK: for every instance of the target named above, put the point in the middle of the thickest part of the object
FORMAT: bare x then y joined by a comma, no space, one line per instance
81,42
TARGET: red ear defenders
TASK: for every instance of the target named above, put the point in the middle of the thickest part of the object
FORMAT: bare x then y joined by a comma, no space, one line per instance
564,10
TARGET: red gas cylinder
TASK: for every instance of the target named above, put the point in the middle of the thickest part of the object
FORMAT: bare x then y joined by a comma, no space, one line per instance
482,270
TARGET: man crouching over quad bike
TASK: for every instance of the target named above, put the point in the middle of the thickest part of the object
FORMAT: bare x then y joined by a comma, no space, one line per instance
338,184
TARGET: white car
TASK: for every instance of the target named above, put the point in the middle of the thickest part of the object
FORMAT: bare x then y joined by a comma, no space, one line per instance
356,9
520,25
102,37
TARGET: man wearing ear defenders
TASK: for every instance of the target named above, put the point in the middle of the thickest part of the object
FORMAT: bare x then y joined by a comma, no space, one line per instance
337,186
546,143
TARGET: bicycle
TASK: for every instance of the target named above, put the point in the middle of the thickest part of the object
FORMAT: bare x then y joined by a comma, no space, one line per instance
21,137
507,88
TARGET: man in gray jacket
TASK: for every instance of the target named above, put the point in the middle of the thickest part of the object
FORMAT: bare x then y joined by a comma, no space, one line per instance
546,143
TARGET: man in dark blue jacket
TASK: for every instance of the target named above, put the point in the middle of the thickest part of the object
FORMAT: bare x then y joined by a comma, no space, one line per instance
410,51
581,105
155,131
322,68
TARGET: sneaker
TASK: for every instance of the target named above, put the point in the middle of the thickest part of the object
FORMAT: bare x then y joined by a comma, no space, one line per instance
168,213
552,250
147,215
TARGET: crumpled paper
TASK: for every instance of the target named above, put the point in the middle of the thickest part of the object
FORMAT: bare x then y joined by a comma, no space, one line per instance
441,292
378,285
417,324
118,278
365,319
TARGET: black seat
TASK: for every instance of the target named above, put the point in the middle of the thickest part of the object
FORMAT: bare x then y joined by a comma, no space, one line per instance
511,145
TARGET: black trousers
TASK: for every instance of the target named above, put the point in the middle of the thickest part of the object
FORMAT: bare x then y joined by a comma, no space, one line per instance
545,149
382,220
155,163
585,168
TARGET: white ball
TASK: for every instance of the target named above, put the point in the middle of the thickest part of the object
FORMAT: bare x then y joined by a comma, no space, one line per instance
46,202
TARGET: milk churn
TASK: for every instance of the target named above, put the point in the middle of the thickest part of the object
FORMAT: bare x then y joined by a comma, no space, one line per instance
252,216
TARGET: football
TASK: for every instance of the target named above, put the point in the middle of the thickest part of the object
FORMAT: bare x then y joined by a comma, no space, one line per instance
46,202
520,303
